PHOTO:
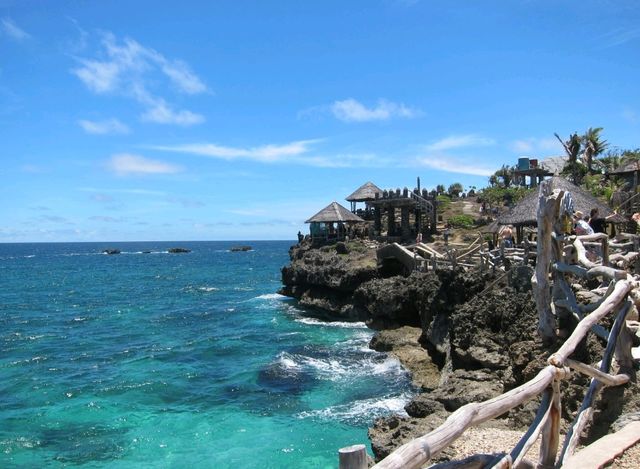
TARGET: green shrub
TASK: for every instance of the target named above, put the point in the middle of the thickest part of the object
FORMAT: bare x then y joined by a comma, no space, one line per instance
444,201
462,221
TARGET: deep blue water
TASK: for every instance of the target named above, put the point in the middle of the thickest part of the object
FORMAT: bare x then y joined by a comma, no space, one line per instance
176,360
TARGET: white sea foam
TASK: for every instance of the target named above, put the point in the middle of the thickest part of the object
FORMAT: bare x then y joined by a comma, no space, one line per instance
287,362
361,409
343,324
270,296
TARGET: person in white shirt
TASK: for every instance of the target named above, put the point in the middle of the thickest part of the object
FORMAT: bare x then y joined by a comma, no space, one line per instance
580,225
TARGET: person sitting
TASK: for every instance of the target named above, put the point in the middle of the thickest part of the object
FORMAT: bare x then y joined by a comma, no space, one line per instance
580,226
507,236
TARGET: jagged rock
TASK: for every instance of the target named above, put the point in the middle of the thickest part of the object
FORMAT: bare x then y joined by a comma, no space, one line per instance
241,248
403,344
462,387
520,278
424,405
111,251
387,433
178,250
341,248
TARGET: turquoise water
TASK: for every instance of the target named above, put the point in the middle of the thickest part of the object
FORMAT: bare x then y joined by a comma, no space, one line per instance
176,360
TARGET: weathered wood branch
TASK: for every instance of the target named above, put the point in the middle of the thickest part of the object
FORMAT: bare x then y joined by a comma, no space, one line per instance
419,451
551,429
529,438
548,207
582,255
605,378
606,449
620,291
594,272
585,413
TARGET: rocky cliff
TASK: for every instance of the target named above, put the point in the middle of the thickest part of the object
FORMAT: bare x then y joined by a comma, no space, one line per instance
462,337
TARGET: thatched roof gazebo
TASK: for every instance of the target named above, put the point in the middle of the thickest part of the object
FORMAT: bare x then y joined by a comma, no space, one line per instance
525,212
322,223
365,193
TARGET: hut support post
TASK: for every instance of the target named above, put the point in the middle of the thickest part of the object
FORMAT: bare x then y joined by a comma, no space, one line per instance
391,221
404,222
377,220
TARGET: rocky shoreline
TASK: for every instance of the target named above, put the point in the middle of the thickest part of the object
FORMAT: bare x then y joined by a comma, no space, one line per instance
462,336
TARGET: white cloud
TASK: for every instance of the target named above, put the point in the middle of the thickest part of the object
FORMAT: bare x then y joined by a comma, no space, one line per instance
12,30
297,152
105,127
618,37
125,163
453,165
124,68
351,110
459,141
535,146
264,153
160,113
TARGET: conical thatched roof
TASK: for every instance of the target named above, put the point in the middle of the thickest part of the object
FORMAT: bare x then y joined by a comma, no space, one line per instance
525,212
365,192
334,212
627,167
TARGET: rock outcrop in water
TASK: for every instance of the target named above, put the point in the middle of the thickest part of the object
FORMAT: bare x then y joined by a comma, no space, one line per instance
461,343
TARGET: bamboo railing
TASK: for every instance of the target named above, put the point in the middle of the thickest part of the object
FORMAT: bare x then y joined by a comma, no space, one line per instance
558,256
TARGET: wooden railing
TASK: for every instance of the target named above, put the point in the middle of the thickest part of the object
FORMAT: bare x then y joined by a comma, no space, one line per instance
558,256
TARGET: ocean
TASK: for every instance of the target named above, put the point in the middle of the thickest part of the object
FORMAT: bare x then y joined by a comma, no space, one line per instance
177,360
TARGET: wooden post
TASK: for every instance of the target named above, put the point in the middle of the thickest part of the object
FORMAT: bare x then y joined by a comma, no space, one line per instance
551,430
547,213
353,457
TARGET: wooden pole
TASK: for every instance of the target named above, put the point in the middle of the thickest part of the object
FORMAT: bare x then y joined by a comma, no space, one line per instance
353,457
551,429
547,214
620,291
586,410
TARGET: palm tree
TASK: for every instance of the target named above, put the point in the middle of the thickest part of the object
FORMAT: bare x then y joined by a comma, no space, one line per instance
572,147
593,146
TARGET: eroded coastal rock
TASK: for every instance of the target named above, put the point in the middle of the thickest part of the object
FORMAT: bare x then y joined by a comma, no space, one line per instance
463,338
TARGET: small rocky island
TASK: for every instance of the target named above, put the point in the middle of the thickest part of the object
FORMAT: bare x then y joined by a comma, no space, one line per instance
240,248
465,336
178,250
111,251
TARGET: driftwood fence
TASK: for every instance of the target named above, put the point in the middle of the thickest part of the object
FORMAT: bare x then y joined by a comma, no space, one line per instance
423,257
559,258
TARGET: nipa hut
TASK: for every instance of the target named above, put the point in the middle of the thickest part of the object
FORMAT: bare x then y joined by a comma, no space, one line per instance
524,213
331,222
365,193
629,172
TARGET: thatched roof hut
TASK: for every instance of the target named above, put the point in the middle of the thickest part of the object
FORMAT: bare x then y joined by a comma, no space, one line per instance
332,213
365,193
525,212
628,167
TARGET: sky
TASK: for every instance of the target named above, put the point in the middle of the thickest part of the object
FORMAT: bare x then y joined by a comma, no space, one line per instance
238,120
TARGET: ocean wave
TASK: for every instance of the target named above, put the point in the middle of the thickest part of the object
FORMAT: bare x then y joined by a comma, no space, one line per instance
343,368
204,289
360,411
342,324
270,296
